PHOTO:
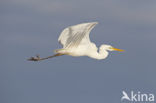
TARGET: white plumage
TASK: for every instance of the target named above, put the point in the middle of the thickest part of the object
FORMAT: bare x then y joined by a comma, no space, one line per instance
76,34
76,42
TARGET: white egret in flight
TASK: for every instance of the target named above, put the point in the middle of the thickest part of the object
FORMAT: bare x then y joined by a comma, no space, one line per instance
76,42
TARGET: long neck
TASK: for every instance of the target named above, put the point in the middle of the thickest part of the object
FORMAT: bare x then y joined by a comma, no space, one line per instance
102,54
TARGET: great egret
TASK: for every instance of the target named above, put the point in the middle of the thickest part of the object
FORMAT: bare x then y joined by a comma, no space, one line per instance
76,42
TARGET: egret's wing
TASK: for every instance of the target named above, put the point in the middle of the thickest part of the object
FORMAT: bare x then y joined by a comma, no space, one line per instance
75,35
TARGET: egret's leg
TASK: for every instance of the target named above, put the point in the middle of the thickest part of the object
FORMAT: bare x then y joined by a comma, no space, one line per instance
37,58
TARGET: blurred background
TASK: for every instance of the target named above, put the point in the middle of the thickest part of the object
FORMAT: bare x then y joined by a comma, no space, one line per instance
30,27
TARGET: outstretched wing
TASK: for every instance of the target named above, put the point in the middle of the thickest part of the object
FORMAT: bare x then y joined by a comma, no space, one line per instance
75,35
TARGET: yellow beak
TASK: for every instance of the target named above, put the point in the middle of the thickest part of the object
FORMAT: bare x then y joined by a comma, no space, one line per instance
116,49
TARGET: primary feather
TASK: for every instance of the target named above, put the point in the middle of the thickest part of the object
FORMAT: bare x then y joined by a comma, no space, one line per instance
76,35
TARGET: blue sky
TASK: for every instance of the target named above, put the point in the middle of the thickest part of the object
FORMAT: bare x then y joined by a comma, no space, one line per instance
30,27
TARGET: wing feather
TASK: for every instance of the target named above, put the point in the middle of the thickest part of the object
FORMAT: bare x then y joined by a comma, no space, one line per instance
75,35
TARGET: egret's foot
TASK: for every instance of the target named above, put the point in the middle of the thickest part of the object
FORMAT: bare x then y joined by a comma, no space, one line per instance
37,58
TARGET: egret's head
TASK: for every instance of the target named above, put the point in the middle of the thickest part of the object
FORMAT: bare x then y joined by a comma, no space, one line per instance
110,48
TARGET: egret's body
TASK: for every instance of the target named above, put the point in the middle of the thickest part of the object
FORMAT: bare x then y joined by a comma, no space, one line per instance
76,42
90,51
